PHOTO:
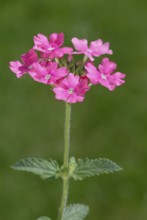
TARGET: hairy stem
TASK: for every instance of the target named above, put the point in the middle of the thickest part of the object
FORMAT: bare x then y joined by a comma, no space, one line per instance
65,162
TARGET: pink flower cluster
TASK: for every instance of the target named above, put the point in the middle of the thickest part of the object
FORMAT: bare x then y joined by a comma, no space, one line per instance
50,63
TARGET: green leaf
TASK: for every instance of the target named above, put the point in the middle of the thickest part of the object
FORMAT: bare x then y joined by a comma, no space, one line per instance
75,212
91,167
44,168
44,218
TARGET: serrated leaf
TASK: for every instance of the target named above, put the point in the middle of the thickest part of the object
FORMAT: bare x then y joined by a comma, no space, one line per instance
91,167
43,218
75,212
44,168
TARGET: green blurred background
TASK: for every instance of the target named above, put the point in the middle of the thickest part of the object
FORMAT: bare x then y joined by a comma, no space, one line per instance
107,124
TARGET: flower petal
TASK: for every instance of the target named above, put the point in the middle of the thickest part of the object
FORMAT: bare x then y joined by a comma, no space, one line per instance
39,73
92,73
56,40
18,68
80,44
98,48
107,67
29,57
41,43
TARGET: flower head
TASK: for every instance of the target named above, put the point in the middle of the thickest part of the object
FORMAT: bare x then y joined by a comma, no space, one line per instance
69,78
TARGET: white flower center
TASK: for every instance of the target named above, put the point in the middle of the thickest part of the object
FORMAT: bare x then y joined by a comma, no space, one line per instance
89,50
51,48
30,67
103,76
47,77
70,90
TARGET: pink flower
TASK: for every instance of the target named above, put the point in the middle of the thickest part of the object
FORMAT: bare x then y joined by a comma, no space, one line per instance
27,60
51,46
43,44
96,48
71,89
47,74
103,75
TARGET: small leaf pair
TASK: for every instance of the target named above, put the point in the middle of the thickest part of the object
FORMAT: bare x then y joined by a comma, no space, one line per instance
78,170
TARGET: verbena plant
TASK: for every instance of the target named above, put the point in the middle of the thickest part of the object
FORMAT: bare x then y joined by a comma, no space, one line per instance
70,78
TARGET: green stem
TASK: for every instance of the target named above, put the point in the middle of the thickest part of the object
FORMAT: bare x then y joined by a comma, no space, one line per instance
65,162
67,134
85,59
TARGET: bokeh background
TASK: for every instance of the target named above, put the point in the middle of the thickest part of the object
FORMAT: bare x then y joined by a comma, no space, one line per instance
107,124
